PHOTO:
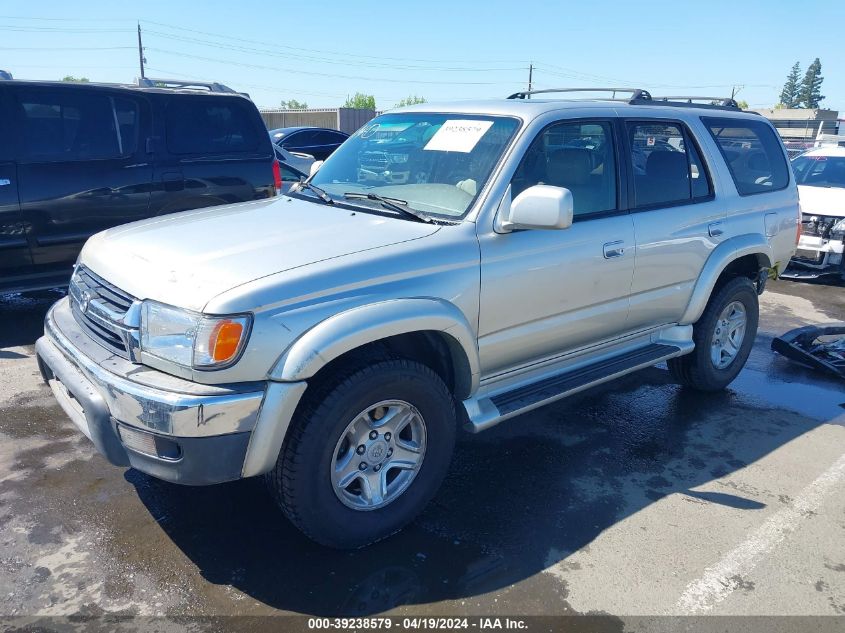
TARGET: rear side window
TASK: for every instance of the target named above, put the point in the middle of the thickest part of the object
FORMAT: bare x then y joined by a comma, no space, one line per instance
203,125
300,139
667,167
69,125
753,154
329,138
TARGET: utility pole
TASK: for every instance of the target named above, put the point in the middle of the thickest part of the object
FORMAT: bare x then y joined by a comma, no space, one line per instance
141,58
530,77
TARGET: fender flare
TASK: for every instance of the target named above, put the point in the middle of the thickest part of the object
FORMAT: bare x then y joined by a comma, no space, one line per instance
721,257
353,328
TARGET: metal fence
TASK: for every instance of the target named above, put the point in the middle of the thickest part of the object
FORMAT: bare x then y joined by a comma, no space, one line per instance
344,119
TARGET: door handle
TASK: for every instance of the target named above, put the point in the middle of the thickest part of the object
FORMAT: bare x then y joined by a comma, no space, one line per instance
614,249
715,229
5,182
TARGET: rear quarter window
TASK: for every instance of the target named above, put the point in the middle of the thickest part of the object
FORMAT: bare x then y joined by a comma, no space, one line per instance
202,125
753,153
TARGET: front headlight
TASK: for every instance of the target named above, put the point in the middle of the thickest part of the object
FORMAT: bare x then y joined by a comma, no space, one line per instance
191,339
398,158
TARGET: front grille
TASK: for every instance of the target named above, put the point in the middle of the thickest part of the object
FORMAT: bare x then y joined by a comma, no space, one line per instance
99,308
820,226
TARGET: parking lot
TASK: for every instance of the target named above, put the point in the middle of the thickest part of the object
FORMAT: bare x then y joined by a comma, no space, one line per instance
636,498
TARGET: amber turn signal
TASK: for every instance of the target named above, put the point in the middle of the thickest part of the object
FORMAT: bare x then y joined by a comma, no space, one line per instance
225,340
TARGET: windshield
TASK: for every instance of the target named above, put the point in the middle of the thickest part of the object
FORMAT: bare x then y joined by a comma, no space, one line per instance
820,171
436,163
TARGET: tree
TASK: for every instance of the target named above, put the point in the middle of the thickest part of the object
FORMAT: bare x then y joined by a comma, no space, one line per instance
810,94
743,105
360,100
789,94
410,100
83,80
293,104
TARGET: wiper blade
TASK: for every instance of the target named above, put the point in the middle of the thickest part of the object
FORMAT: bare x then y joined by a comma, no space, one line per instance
394,204
322,195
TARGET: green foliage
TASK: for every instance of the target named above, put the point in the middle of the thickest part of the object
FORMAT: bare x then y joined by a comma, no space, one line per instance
789,94
360,100
743,105
293,104
810,94
83,80
410,100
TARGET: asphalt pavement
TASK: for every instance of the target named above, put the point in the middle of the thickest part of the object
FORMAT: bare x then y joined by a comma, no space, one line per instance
636,498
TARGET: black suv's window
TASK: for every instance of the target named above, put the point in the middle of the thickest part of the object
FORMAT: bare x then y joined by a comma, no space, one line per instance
63,125
753,154
576,155
667,168
209,125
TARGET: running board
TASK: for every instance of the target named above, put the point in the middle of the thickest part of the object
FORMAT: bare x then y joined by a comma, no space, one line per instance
489,411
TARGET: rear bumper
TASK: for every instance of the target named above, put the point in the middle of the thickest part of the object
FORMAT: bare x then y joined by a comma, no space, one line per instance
167,427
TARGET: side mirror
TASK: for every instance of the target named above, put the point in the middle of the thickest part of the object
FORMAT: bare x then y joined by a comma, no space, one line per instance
315,167
538,207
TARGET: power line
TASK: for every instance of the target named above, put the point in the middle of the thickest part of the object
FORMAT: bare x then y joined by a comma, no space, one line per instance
50,29
329,75
64,48
323,60
323,52
55,19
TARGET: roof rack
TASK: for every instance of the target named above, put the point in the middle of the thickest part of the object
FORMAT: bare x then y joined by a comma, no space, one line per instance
210,86
636,93
5,74
639,96
709,102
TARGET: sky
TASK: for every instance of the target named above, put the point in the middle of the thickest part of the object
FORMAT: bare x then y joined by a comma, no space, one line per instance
321,52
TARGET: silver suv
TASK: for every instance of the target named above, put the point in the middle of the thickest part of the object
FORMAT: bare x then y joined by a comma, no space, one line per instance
498,256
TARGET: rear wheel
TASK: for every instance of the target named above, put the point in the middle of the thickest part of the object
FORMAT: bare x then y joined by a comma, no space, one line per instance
365,453
723,338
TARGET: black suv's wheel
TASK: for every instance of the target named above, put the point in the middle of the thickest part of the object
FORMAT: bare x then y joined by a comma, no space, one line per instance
723,338
365,453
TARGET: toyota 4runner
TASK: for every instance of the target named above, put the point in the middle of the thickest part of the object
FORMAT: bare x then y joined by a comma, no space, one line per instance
332,339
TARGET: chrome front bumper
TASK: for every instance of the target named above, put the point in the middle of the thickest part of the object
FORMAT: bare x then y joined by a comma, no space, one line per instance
217,433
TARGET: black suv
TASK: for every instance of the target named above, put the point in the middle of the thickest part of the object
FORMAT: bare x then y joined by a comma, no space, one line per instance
79,158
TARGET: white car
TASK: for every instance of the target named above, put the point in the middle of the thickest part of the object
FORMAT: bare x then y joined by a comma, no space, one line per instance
300,162
820,174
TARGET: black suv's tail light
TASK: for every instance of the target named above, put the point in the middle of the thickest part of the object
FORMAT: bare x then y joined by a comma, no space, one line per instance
277,176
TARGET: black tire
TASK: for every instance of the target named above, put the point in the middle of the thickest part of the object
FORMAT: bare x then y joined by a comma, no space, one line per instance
696,370
301,481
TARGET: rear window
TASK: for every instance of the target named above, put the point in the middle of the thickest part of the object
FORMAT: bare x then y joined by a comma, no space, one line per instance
202,125
753,153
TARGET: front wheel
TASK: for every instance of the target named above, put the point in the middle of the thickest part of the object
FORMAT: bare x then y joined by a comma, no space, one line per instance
723,338
365,453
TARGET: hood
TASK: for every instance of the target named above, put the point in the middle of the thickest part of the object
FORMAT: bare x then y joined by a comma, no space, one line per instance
828,201
188,258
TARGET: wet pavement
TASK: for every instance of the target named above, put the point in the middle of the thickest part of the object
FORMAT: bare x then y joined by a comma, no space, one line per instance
637,497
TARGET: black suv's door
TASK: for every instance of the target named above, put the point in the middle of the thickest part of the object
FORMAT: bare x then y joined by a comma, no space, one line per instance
210,149
83,165
14,249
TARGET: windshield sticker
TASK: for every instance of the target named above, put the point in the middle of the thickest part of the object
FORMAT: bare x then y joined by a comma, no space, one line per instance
368,130
458,136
